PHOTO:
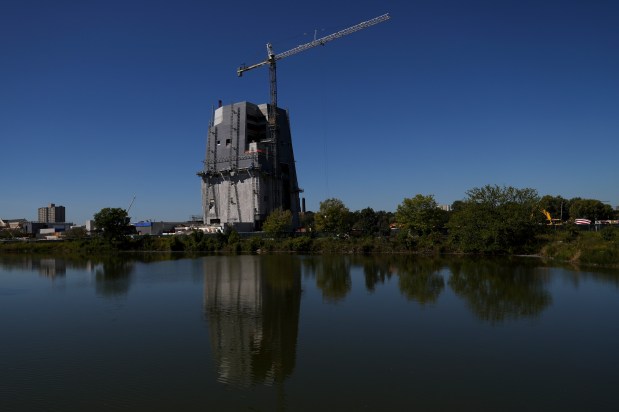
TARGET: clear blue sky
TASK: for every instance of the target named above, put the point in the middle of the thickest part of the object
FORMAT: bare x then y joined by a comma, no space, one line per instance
104,100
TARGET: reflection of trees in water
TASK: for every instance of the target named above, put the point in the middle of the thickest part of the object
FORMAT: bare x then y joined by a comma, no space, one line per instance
419,279
376,270
333,277
112,272
575,273
252,305
113,277
605,275
497,290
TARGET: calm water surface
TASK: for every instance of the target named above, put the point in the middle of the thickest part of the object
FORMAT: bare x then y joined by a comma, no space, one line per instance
265,333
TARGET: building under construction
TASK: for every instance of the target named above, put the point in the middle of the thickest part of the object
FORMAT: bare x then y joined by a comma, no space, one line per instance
249,169
247,172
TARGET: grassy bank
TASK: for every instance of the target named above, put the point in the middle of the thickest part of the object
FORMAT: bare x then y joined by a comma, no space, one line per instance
600,248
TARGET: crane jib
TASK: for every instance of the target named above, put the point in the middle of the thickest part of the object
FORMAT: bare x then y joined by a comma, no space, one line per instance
330,37
318,42
273,107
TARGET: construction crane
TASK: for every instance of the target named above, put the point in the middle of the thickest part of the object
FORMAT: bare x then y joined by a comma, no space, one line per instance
272,58
271,61
128,218
131,204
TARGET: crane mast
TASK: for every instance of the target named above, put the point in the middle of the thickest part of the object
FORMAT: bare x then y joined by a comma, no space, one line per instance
271,60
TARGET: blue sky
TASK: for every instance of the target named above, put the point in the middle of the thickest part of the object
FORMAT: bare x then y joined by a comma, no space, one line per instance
104,100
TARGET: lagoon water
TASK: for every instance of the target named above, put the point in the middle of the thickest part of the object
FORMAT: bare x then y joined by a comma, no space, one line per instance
301,333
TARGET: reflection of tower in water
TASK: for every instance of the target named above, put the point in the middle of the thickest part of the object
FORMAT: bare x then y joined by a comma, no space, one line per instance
252,306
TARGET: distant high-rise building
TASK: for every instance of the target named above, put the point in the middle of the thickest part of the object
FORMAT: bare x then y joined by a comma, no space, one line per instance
247,175
52,214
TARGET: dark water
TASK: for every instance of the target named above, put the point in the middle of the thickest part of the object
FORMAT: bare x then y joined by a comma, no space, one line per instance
266,333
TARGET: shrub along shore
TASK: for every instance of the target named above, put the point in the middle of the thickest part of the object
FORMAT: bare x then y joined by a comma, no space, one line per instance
584,247
492,220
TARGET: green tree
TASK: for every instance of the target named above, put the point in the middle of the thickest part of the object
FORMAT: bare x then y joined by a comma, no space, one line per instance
383,222
307,221
365,221
420,215
457,205
76,233
495,219
278,223
233,237
112,221
557,206
8,233
590,209
332,217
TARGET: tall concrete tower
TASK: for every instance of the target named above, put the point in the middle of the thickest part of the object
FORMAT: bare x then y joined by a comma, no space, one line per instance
246,175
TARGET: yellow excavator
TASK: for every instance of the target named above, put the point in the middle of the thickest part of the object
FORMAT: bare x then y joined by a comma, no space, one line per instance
551,221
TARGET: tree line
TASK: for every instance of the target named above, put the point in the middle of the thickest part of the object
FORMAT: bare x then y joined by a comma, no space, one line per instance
491,219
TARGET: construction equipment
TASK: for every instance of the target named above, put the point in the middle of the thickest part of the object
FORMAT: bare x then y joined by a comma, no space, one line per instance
128,218
130,204
271,61
272,57
551,221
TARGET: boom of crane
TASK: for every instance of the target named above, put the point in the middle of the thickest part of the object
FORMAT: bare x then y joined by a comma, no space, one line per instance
128,219
131,204
271,61
272,58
